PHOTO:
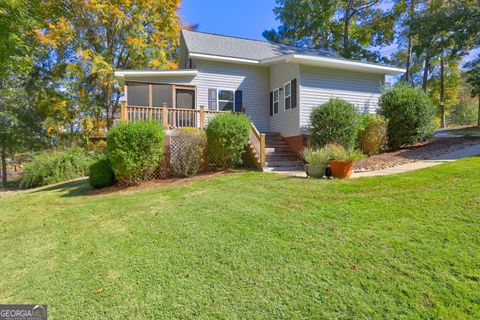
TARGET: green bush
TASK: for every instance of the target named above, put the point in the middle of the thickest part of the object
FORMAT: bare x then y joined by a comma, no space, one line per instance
410,114
318,158
372,134
227,138
334,121
135,150
100,173
56,166
465,113
189,158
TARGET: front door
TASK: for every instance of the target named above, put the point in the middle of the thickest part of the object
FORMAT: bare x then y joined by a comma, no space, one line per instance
185,99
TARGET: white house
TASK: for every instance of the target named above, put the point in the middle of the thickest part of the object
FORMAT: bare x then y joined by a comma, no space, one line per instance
276,85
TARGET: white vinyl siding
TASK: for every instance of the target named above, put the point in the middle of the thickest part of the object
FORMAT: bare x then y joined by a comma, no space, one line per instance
318,85
285,121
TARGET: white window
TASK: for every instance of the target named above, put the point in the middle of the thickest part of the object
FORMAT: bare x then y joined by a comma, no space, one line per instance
276,96
287,89
226,100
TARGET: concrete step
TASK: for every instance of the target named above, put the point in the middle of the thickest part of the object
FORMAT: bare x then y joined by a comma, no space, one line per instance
276,157
283,169
283,163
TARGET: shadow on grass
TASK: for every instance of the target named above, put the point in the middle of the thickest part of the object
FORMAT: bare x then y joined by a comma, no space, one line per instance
75,188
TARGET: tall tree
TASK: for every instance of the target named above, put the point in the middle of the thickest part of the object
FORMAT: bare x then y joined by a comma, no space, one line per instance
473,79
88,40
349,27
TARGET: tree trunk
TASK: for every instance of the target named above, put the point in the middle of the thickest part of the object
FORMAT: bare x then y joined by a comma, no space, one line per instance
3,152
425,70
442,92
478,110
346,27
410,44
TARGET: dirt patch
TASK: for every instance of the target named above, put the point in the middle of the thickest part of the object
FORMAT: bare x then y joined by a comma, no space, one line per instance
159,183
432,148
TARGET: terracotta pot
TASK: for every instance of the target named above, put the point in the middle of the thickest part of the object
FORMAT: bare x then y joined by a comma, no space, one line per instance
341,168
314,171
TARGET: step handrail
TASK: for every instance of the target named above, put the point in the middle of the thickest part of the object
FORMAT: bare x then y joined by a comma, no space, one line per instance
257,140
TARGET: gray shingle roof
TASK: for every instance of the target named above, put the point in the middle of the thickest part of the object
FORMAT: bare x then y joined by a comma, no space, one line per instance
212,44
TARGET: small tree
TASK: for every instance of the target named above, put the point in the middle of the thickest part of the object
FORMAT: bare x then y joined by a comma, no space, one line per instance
334,121
410,114
473,78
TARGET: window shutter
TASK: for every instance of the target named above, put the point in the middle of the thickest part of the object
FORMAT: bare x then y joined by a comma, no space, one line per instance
271,103
238,101
212,99
294,93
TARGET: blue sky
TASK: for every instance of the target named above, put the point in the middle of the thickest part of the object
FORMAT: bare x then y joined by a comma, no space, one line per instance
245,18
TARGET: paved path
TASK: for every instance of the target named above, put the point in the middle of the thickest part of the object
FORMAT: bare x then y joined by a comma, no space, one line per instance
435,161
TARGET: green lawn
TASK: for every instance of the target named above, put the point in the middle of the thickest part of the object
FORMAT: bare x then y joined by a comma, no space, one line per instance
471,131
250,246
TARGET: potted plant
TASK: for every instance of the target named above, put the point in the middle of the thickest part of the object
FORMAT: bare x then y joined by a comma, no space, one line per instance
317,161
341,160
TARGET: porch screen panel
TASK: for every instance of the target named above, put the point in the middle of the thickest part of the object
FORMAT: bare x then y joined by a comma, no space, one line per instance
137,94
162,93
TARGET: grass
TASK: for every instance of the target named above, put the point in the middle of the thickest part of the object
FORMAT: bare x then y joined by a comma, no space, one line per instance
470,131
251,246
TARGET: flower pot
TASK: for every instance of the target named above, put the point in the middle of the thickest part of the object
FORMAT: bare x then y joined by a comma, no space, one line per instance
341,168
314,171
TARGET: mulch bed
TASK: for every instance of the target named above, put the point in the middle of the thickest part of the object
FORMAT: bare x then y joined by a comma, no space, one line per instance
432,148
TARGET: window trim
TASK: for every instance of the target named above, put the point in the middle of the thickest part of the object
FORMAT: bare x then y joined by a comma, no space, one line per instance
218,98
285,96
278,100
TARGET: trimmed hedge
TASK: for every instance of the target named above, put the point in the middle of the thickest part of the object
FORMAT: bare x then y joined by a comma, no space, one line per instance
372,135
333,122
410,114
52,166
100,173
227,138
135,150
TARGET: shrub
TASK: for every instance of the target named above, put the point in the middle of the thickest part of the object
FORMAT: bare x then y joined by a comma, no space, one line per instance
100,173
333,121
189,156
372,134
318,158
335,151
135,150
55,166
410,114
465,113
227,138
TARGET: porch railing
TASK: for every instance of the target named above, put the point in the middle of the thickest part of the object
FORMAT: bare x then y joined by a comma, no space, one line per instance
171,118
257,140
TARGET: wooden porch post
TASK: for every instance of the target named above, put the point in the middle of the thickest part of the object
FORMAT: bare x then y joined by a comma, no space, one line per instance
262,149
165,117
123,112
202,117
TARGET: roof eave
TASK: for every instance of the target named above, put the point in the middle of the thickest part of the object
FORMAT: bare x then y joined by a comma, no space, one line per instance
121,75
193,55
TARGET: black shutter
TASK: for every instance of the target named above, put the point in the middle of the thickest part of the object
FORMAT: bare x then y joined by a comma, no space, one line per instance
271,103
212,99
238,101
294,93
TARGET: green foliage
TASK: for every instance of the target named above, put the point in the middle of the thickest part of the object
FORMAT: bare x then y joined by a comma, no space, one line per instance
135,150
100,173
372,135
335,151
464,113
227,138
343,26
190,156
316,157
334,121
56,166
410,114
